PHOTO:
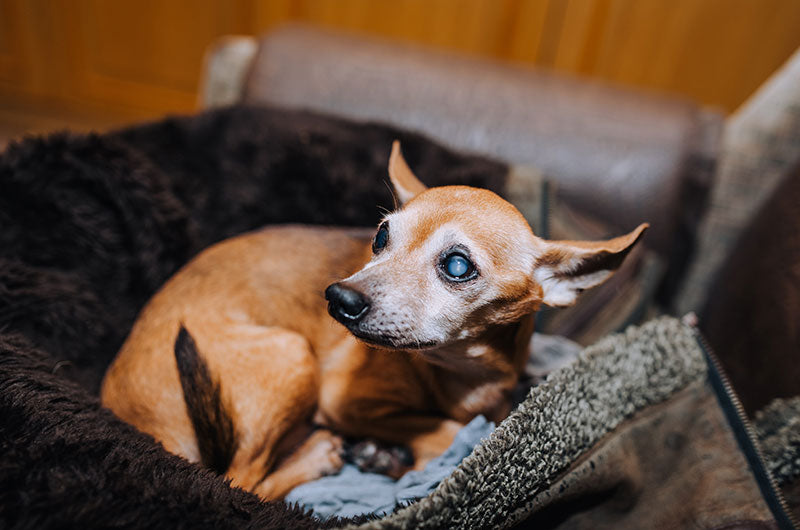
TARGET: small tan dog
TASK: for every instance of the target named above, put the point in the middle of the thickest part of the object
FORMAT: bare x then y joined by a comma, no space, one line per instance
235,360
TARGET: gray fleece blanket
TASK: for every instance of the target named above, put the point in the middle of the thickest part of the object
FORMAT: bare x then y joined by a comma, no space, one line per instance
353,492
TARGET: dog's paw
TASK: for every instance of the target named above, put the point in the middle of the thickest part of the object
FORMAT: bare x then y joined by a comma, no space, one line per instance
325,452
373,457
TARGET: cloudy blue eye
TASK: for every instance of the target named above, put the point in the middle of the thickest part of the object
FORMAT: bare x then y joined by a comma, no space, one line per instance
458,267
381,238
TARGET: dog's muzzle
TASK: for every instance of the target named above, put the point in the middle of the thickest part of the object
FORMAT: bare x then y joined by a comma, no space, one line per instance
345,304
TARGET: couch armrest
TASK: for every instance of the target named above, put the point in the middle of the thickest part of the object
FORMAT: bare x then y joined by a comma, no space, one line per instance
225,66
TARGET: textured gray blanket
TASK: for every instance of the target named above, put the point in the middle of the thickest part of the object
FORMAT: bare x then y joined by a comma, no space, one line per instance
352,492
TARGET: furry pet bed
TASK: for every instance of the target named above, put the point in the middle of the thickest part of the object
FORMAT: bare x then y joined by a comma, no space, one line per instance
91,225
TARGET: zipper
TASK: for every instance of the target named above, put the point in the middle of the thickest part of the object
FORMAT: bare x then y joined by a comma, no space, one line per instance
743,431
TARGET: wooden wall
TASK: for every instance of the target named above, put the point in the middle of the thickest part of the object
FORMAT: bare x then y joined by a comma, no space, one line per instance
141,58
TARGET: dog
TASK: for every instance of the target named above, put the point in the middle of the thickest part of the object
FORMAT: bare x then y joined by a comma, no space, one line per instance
236,363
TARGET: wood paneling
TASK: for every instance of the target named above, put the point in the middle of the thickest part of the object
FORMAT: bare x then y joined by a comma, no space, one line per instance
714,51
145,54
11,42
141,58
509,29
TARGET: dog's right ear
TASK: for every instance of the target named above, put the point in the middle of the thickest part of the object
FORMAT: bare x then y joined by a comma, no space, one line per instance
566,268
406,184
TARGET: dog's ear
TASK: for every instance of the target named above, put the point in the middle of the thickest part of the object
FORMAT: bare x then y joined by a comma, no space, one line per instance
566,268
406,184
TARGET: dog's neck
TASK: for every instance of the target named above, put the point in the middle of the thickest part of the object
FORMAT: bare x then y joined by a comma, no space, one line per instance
482,378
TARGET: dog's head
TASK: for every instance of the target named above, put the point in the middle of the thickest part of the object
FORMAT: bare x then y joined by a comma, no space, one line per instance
455,261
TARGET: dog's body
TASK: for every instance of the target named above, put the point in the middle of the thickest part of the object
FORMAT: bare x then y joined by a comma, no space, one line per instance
451,283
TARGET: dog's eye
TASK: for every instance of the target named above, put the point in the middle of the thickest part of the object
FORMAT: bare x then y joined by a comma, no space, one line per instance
458,267
381,238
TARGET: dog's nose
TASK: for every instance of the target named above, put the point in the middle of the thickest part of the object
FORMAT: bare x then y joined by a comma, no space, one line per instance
345,304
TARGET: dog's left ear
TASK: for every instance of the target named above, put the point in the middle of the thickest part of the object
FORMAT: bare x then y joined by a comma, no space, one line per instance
406,184
566,268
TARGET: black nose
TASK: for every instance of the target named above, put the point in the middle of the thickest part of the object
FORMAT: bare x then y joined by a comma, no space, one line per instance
345,304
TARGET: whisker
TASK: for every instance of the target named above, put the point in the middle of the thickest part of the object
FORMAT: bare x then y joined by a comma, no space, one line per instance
394,196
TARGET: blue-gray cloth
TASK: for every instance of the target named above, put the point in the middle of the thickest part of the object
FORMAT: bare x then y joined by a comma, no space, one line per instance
352,492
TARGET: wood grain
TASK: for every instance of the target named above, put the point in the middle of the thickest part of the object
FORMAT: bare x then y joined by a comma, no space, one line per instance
143,58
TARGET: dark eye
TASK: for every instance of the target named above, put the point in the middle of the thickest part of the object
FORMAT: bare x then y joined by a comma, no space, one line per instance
458,267
381,238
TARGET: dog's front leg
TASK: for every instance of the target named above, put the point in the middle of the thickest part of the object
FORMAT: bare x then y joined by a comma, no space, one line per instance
426,436
319,455
429,444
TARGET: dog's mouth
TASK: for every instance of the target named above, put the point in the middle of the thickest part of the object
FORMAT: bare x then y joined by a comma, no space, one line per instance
392,342
351,315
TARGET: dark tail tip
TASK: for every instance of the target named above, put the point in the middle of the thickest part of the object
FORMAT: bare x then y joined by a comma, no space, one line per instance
212,424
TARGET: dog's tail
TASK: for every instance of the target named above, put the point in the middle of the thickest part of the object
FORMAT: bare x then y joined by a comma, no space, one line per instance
212,424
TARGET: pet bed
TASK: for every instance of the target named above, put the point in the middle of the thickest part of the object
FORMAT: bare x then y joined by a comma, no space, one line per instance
91,225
